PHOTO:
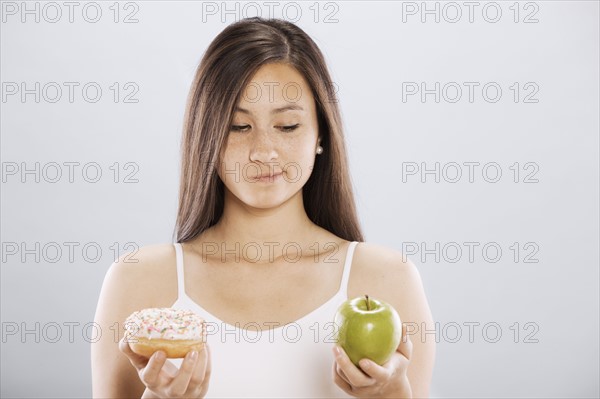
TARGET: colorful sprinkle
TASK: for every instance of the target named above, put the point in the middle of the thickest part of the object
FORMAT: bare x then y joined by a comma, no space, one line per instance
165,323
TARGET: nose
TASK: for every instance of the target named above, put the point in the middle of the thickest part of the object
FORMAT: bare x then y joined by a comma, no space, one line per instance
263,148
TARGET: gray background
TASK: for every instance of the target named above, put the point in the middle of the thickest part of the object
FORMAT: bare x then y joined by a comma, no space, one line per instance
371,51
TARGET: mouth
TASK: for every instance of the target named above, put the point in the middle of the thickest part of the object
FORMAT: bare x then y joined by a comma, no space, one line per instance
269,177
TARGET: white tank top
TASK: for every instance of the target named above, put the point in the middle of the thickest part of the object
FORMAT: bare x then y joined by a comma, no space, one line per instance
291,360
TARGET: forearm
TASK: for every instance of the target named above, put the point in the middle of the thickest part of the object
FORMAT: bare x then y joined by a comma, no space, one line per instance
149,395
398,395
400,390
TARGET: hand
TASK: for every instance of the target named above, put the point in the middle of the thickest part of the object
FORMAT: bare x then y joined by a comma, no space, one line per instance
386,381
163,379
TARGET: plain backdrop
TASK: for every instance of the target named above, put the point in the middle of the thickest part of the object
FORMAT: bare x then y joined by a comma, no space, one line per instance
506,239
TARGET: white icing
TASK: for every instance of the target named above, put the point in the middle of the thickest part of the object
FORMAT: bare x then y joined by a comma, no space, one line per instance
165,323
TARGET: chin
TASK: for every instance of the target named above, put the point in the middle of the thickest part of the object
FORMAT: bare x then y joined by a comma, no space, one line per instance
264,201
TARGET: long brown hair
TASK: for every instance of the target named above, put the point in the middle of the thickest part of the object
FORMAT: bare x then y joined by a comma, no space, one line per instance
226,67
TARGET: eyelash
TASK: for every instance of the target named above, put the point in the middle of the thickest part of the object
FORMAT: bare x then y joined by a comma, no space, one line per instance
291,128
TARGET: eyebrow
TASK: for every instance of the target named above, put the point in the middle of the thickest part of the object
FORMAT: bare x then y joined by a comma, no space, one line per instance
276,110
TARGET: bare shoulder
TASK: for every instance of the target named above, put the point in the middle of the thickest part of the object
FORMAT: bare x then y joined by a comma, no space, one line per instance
384,270
140,279
147,275
387,274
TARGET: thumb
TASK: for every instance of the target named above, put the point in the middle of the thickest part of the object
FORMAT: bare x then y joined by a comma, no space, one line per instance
406,346
138,361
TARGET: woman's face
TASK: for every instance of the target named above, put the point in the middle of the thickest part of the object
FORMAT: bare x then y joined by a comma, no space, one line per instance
274,134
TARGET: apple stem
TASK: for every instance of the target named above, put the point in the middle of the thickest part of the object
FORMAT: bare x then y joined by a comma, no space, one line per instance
367,297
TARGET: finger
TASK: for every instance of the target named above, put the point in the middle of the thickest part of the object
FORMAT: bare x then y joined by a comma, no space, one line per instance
379,373
209,361
337,369
354,375
138,361
207,372
181,381
340,382
406,346
149,374
202,370
170,369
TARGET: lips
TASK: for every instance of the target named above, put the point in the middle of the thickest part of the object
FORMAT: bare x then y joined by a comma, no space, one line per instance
267,177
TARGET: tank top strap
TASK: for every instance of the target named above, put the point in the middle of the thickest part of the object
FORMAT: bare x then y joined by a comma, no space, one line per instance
347,267
180,275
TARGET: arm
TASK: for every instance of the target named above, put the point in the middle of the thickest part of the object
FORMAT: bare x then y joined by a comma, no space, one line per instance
112,373
387,275
117,372
412,305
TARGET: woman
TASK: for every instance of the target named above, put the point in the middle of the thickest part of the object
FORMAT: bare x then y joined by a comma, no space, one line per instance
268,230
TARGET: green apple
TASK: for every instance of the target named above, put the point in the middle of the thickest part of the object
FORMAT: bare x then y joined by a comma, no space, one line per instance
368,328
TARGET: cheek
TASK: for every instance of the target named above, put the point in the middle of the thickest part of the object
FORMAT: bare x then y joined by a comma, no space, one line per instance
304,158
232,153
227,161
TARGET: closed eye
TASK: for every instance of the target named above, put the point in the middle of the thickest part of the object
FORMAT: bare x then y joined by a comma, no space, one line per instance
239,128
243,128
290,128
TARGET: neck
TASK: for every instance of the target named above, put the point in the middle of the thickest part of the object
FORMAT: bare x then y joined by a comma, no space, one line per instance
271,228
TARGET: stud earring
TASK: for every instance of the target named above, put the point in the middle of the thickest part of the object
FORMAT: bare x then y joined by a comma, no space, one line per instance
319,150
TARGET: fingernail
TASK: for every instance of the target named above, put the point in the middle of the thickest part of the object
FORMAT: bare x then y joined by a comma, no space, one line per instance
193,355
364,364
337,351
159,355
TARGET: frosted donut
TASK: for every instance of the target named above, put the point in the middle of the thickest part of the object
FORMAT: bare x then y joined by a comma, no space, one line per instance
174,331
